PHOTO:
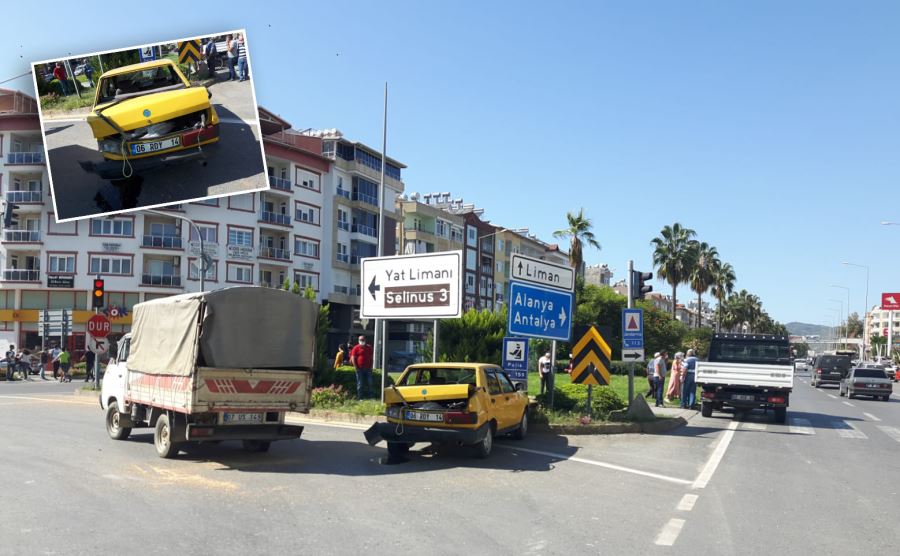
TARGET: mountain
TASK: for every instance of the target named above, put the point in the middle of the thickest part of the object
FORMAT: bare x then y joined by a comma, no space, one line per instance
804,329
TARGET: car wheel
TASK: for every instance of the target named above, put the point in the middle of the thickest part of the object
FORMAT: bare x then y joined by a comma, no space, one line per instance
113,426
398,448
483,448
849,394
256,446
523,427
706,409
840,392
162,438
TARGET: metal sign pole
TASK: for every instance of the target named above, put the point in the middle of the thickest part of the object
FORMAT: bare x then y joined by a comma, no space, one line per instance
434,350
551,378
630,304
589,404
96,359
383,357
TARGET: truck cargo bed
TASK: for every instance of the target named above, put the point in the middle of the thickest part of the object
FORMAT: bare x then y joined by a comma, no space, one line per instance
745,374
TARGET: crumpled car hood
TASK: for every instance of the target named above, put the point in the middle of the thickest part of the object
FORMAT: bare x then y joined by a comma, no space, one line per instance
137,112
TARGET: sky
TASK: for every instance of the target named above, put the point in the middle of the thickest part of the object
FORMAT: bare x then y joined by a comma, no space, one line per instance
768,127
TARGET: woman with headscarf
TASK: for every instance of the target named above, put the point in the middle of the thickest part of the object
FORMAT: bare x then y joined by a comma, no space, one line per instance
676,376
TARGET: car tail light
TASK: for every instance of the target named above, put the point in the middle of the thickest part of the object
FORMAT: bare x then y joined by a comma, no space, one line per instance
708,395
859,384
460,418
197,432
818,371
776,399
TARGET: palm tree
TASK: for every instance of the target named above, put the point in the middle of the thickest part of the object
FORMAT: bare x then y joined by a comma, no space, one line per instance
747,308
579,232
722,286
671,256
703,274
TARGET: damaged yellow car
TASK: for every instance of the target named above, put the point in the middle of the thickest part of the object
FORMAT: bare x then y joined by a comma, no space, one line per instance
464,404
146,115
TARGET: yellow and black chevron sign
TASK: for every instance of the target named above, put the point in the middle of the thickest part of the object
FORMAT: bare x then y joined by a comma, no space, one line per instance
188,50
590,359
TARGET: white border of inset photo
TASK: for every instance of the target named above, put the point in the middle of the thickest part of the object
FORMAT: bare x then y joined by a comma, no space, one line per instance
253,122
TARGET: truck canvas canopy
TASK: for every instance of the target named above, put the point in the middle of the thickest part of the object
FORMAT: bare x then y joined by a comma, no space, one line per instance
239,328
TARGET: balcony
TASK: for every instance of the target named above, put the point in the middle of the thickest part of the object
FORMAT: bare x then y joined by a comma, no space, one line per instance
161,280
419,229
268,252
343,193
354,259
364,230
162,242
275,218
30,158
22,236
16,275
363,198
24,197
343,258
280,184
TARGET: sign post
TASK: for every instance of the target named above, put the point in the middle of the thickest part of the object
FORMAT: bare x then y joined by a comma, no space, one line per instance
591,362
890,302
515,359
98,328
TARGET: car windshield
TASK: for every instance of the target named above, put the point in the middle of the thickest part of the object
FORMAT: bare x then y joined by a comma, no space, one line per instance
868,373
136,83
834,362
438,375
750,351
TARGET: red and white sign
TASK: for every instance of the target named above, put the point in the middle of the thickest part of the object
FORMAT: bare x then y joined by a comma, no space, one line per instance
98,345
98,326
890,302
884,333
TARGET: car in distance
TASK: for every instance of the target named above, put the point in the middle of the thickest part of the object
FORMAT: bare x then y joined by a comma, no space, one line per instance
463,404
800,365
830,369
866,381
146,115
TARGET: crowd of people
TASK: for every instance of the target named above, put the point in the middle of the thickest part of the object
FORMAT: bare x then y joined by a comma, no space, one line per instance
682,384
234,57
36,361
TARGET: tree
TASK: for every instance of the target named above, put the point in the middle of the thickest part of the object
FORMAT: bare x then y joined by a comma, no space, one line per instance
723,285
296,289
578,233
706,262
476,337
286,286
854,326
671,257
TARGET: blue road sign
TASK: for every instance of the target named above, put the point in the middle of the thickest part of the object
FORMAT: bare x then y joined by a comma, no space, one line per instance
632,328
515,358
539,312
147,53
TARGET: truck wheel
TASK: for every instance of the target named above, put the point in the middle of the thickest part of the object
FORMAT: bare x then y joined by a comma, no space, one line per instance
849,394
162,438
257,446
523,427
113,428
483,448
398,448
780,415
706,409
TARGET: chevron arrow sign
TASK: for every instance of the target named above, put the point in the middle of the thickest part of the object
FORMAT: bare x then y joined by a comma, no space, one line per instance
590,359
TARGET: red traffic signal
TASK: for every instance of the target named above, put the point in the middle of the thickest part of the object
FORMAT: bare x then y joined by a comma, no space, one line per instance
98,297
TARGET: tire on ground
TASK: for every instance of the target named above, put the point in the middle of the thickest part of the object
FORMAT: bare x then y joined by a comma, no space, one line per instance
706,409
113,427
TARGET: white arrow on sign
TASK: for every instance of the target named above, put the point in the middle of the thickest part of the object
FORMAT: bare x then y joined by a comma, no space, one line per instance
562,316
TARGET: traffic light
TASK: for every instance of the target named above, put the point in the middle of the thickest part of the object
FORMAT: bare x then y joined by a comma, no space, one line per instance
638,284
98,297
9,218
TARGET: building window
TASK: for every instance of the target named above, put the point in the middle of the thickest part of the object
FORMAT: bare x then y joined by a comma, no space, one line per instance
342,255
61,264
117,227
307,179
365,191
470,259
110,265
307,213
208,202
306,247
242,274
441,228
194,270
240,237
471,236
243,202
343,220
470,283
306,279
210,234
56,229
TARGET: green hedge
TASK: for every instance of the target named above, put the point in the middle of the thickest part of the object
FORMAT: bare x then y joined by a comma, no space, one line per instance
573,398
346,377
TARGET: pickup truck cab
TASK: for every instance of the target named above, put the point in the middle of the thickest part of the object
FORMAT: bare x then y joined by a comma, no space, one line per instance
747,371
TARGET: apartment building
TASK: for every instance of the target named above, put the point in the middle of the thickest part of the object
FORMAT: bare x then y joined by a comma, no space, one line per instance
598,275
520,241
878,321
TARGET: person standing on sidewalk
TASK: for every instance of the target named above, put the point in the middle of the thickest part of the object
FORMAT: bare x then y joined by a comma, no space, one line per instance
659,376
242,58
89,357
675,377
650,366
361,358
54,360
546,370
10,357
689,388
45,358
232,54
65,360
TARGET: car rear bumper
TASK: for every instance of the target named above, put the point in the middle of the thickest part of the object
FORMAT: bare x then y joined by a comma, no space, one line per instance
243,432
870,391
195,147
392,432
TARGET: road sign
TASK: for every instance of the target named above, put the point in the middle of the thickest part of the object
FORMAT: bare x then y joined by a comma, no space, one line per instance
189,50
542,273
539,312
633,355
412,286
98,345
633,328
515,358
890,302
147,53
98,326
590,359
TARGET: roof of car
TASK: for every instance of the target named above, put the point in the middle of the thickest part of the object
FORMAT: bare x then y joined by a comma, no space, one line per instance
440,365
139,67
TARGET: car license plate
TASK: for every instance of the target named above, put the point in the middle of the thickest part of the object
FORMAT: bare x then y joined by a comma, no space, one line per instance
872,386
241,418
153,146
424,416
743,397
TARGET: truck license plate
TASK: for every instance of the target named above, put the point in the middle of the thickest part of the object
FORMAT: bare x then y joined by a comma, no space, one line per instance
424,416
743,397
153,146
241,418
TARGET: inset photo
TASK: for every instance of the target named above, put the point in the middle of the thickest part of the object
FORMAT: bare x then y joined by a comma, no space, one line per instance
150,126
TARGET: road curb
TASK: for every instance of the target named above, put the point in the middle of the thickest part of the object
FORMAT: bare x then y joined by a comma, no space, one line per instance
326,415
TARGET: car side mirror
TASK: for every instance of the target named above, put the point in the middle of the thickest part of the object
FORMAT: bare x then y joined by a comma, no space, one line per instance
518,386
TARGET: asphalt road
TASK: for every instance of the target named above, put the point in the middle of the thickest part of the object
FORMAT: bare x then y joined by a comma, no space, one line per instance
234,165
825,483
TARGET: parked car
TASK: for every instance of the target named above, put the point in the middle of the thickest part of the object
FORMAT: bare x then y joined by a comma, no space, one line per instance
867,380
830,369
465,404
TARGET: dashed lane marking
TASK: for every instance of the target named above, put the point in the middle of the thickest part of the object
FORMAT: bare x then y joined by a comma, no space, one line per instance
670,532
687,502
847,430
51,400
850,404
754,426
871,417
801,426
893,432
716,457
832,396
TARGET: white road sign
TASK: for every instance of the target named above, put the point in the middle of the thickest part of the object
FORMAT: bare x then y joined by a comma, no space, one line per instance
542,273
412,286
97,345
633,355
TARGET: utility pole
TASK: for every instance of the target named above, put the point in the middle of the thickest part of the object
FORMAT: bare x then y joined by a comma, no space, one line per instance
628,285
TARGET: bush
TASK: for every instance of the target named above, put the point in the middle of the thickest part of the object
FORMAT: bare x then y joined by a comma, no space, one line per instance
573,398
328,397
346,377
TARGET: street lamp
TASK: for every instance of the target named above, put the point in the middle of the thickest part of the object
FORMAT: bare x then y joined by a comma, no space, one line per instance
842,309
865,332
204,258
847,323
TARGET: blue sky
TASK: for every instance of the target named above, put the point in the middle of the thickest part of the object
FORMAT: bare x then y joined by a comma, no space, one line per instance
771,128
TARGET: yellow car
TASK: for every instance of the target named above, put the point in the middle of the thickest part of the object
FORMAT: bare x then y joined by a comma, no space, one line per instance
149,114
465,404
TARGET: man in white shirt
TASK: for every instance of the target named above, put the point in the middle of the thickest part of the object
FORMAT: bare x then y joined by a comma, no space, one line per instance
659,375
546,369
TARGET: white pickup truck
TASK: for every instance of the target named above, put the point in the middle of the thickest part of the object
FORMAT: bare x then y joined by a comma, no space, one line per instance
221,365
747,371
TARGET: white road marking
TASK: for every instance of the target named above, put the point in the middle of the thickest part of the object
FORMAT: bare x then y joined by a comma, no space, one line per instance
850,404
832,396
687,502
597,463
893,432
801,426
847,430
670,532
755,426
871,417
94,402
353,426
716,457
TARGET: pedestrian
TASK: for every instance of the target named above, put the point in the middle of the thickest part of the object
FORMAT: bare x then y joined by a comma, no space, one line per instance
675,377
59,72
545,366
689,388
24,363
89,71
339,357
210,54
361,359
232,53
45,358
10,357
659,376
54,360
89,357
570,366
650,390
64,359
242,58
